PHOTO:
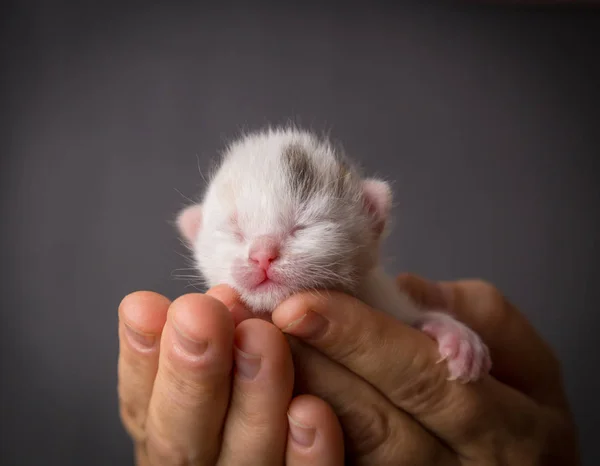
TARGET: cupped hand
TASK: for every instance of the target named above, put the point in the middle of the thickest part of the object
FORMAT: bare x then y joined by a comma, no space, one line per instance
195,389
394,401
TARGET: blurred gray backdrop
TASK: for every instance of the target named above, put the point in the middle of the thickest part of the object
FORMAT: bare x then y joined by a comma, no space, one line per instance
486,118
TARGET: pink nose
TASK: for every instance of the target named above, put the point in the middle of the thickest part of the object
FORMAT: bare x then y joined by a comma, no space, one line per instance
264,250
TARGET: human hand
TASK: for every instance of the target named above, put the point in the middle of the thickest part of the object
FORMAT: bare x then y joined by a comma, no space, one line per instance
181,402
393,400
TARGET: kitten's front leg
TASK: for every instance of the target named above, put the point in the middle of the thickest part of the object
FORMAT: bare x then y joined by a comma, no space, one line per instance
468,358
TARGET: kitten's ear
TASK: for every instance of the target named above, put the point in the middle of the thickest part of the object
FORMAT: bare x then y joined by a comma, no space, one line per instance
377,196
189,222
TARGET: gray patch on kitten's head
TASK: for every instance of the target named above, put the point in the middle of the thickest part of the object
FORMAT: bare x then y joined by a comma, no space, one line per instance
347,176
307,178
303,175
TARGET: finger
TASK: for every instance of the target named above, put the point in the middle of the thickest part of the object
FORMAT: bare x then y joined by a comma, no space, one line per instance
376,431
231,299
521,358
364,340
256,425
399,361
142,316
315,435
191,390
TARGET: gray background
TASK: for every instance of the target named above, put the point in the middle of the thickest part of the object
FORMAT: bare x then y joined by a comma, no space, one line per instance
486,118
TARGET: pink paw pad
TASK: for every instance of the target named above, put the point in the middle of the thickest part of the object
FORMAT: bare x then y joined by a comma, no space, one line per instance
468,358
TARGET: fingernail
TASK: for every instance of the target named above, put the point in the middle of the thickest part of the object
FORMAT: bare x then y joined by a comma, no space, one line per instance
143,341
302,434
310,325
247,365
188,344
293,323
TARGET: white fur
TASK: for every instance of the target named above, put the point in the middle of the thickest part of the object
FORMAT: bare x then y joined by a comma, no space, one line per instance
331,251
329,239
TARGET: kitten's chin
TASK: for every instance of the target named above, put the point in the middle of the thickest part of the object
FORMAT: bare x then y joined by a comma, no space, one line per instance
264,301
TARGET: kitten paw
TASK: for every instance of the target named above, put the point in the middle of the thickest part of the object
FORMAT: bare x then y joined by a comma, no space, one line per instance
468,358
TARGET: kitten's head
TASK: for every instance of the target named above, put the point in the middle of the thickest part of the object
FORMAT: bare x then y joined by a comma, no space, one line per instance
284,212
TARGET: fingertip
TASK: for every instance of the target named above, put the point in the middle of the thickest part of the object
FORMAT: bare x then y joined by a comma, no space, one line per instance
230,298
309,411
302,434
201,317
291,310
315,434
224,293
144,311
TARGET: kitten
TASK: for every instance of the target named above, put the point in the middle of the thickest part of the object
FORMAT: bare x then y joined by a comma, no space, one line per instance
287,211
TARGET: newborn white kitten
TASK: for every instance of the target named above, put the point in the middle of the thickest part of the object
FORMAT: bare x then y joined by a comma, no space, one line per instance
286,211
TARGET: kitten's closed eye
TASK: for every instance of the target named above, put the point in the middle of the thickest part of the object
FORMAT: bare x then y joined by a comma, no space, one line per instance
233,228
227,232
297,229
239,234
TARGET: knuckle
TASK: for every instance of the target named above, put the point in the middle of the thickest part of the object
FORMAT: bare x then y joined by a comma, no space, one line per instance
487,290
254,423
376,437
132,413
350,350
490,301
528,442
368,431
135,364
164,452
165,447
183,390
133,421
470,415
424,390
353,340
183,395
345,344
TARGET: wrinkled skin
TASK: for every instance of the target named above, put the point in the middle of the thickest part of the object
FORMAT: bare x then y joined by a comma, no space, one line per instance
377,375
